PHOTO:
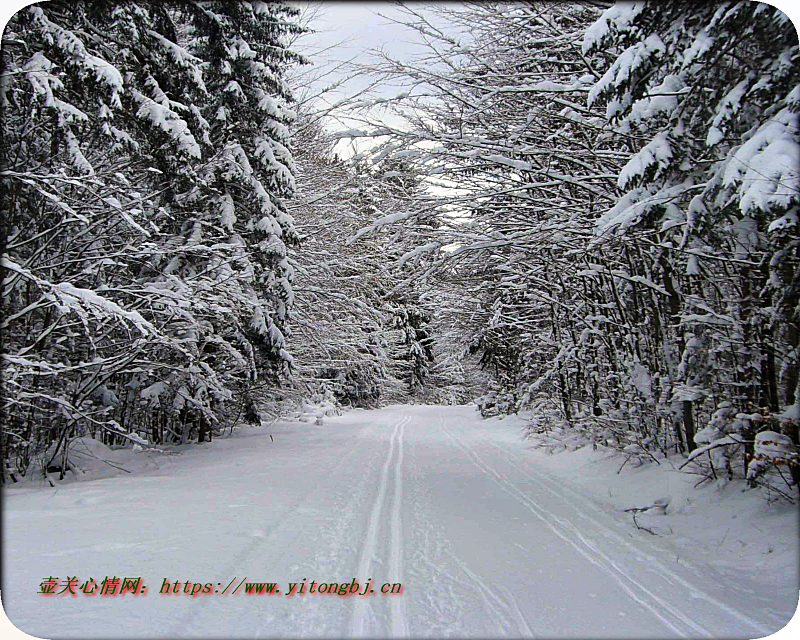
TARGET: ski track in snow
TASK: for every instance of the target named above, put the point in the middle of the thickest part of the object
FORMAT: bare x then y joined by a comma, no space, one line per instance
368,555
397,603
259,541
570,534
531,506
503,608
559,491
483,541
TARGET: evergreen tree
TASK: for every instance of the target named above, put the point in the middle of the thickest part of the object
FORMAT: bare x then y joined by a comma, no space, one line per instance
711,97
144,264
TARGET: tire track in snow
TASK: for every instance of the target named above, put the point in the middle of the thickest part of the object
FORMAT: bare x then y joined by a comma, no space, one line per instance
358,619
613,536
594,557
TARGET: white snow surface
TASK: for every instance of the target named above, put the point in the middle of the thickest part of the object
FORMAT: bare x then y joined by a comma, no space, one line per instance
489,537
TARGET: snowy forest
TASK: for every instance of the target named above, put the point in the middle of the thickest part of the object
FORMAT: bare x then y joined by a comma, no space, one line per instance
493,316
584,210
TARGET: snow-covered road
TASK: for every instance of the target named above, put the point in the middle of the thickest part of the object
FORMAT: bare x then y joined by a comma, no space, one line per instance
485,543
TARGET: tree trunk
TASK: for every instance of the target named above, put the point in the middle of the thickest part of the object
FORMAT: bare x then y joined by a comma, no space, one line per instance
674,311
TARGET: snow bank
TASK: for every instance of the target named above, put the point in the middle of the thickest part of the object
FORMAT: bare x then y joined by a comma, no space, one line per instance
90,459
726,527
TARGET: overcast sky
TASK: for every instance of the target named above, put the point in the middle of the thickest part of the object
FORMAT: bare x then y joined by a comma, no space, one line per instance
346,31
354,28
351,31
337,21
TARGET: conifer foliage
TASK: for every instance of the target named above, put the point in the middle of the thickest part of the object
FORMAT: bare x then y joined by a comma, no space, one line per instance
711,96
146,172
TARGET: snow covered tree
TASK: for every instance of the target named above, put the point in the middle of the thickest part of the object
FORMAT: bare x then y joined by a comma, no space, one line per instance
138,297
376,341
339,337
498,126
251,175
709,97
620,191
395,188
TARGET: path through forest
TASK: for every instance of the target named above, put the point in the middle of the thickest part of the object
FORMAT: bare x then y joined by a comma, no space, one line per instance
484,542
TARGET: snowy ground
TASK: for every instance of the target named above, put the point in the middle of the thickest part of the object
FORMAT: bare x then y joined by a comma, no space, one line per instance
488,537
